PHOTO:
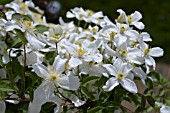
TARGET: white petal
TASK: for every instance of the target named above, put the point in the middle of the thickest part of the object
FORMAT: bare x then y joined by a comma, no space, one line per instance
138,25
70,82
74,62
150,61
2,106
111,69
57,101
139,72
146,37
59,65
136,16
77,102
97,57
129,85
43,93
165,109
70,15
34,108
156,52
109,51
34,42
111,84
41,70
5,59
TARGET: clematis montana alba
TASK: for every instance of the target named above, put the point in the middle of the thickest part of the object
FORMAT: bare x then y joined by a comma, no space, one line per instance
53,78
120,74
74,67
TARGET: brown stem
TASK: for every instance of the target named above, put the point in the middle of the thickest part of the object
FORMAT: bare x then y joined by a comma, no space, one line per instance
17,99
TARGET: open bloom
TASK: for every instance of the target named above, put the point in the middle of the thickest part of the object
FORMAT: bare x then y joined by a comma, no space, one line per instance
53,78
121,74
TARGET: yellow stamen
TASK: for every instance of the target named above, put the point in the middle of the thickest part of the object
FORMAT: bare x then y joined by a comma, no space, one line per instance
54,76
130,19
147,50
81,52
89,12
123,53
121,76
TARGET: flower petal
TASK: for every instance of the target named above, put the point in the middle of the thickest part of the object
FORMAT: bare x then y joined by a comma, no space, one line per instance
77,102
41,70
59,65
70,82
43,93
139,25
129,85
156,52
111,84
111,69
2,106
34,108
74,62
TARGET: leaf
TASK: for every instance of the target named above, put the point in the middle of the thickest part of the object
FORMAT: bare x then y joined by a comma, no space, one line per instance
87,93
95,109
151,101
88,79
21,36
3,2
16,41
5,85
18,16
41,28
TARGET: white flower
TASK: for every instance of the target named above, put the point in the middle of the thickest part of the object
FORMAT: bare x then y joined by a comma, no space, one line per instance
132,19
53,78
121,74
149,53
86,51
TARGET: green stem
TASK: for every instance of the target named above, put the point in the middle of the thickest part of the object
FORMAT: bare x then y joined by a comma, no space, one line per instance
23,77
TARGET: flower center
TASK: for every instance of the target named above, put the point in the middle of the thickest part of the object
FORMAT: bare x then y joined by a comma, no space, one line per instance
89,12
112,35
147,50
57,36
120,76
122,29
80,52
123,53
130,19
54,76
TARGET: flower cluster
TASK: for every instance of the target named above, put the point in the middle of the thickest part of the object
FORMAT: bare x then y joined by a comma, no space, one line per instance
71,57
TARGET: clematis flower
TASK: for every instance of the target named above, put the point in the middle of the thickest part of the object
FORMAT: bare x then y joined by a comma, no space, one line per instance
86,51
120,74
132,19
53,78
149,53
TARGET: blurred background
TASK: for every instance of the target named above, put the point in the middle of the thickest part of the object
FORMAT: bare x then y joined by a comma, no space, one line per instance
156,15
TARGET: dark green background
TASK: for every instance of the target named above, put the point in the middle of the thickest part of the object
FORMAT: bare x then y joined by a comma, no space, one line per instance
156,16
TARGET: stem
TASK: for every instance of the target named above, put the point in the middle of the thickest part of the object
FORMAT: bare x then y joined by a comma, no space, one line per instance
23,77
17,99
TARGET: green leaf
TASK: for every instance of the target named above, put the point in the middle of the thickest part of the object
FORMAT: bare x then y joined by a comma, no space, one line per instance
3,2
149,83
88,79
41,28
151,101
16,41
95,109
87,93
18,16
5,85
21,36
